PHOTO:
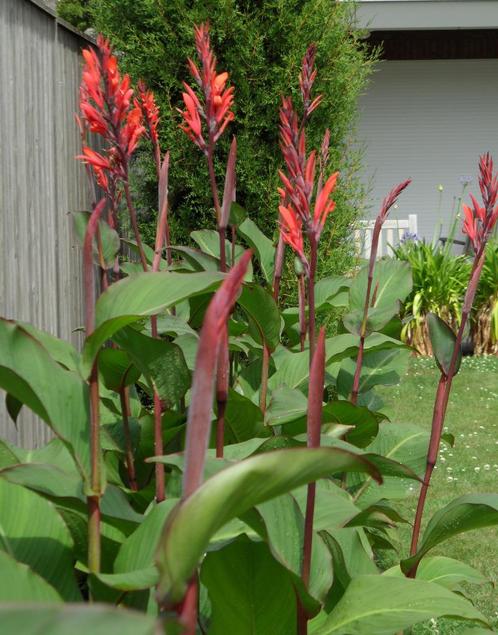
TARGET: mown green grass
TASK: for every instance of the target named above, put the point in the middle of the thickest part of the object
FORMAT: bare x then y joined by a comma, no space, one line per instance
470,466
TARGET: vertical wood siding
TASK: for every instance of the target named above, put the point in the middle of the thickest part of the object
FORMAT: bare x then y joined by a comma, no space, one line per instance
40,183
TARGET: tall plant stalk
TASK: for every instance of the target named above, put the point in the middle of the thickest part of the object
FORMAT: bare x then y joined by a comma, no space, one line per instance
265,360
93,499
130,461
478,225
387,203
441,403
215,109
314,422
199,415
162,223
311,293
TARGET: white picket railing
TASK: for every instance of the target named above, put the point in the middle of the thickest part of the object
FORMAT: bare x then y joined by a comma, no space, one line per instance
392,232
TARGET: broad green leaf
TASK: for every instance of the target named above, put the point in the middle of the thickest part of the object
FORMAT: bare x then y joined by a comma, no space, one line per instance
8,454
328,288
76,619
379,367
138,296
116,369
209,241
138,550
346,345
291,372
136,580
392,281
333,505
263,314
465,513
251,594
233,492
243,418
32,532
383,605
237,214
19,583
57,482
60,350
58,396
377,515
377,318
404,443
365,422
197,259
262,246
286,405
173,325
447,572
284,532
109,238
161,362
443,343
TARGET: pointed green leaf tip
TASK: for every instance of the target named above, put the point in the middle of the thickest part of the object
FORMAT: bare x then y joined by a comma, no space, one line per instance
443,343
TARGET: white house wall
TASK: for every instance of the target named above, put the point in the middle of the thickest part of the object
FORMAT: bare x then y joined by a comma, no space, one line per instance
428,120
427,14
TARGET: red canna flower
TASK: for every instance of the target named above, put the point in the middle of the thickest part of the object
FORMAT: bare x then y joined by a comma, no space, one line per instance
299,182
217,100
291,229
150,111
105,103
307,78
480,220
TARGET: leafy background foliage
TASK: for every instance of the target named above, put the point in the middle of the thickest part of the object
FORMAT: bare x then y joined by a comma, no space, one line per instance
261,44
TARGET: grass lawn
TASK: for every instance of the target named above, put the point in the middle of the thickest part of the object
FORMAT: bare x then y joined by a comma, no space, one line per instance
470,466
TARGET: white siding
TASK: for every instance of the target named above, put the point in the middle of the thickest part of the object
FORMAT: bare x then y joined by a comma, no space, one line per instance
41,183
428,120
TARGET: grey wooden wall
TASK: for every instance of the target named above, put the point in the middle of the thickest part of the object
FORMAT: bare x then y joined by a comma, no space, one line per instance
40,181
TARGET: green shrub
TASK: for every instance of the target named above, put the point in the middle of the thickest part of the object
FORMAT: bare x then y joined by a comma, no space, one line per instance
439,282
261,44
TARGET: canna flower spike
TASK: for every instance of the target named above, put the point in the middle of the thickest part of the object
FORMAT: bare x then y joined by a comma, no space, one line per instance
106,109
216,102
298,213
479,219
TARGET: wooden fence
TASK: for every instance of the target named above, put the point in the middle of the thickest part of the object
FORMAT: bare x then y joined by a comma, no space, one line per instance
40,181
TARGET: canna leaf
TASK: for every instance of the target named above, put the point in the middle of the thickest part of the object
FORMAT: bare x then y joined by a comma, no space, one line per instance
108,236
262,246
447,572
161,362
443,343
58,396
382,605
75,619
138,296
465,513
19,583
250,592
234,491
32,532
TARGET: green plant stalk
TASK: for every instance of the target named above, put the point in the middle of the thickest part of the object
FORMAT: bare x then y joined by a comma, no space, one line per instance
134,224
302,310
441,404
93,499
265,362
363,328
130,462
222,369
311,293
314,422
